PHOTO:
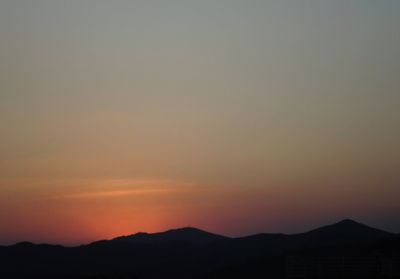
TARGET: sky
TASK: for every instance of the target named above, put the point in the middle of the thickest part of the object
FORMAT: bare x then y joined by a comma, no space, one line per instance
236,117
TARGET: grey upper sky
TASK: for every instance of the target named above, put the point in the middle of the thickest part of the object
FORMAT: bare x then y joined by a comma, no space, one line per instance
292,104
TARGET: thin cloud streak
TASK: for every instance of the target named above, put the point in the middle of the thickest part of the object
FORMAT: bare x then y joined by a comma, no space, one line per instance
125,187
115,193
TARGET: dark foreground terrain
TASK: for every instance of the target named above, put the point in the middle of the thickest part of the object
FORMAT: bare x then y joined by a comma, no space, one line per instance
343,250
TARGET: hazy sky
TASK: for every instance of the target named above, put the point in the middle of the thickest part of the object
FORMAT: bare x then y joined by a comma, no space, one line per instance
233,116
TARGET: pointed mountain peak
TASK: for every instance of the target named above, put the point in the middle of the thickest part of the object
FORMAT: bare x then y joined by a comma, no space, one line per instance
346,230
349,222
346,224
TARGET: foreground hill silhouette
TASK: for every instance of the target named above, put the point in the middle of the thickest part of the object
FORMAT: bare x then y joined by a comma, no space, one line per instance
346,249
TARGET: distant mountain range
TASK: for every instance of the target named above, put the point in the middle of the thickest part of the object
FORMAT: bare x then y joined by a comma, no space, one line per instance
194,253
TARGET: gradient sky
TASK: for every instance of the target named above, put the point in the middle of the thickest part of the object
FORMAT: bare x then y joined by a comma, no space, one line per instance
233,116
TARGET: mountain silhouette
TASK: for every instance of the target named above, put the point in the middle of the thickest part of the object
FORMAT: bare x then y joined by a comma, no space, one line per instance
194,253
348,229
345,231
183,235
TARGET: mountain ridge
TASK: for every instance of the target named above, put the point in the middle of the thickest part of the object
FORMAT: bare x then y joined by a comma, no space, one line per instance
344,225
193,253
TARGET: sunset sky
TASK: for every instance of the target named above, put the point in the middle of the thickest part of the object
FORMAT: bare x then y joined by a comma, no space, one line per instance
236,117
